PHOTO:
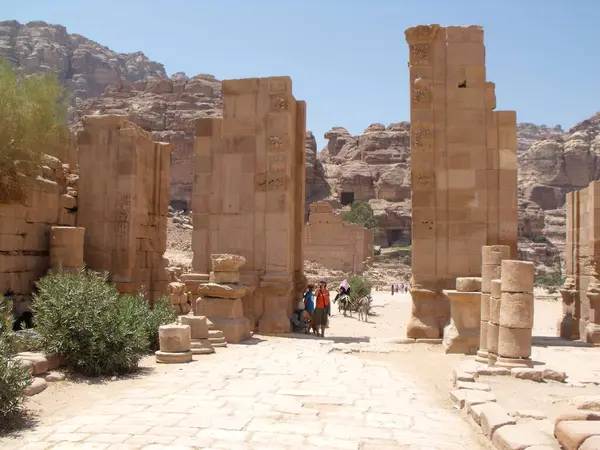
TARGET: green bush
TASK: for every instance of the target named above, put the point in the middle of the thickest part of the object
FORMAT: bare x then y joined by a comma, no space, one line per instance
161,313
359,287
361,213
33,114
82,317
13,377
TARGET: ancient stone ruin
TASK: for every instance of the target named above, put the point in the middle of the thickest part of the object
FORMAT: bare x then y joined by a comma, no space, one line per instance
50,199
581,289
123,203
335,244
248,198
463,169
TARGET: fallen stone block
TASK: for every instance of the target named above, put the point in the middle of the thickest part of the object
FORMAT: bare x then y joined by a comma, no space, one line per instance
475,412
492,417
576,415
234,330
227,263
466,397
587,402
493,371
26,364
520,437
473,386
462,376
225,277
591,443
37,386
174,338
40,363
554,375
571,434
524,373
468,284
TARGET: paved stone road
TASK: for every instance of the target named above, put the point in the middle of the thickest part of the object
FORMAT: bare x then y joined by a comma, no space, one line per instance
279,393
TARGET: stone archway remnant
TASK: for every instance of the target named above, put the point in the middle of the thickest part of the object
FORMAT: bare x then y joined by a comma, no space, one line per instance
248,198
463,168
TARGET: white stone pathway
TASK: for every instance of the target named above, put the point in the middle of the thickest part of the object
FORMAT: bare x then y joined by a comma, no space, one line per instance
279,393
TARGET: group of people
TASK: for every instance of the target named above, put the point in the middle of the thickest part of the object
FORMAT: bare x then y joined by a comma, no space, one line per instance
402,288
314,309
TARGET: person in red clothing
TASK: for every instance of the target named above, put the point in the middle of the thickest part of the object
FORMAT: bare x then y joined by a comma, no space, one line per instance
322,309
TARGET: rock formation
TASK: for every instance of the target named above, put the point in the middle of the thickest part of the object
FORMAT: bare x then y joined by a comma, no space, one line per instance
85,66
169,110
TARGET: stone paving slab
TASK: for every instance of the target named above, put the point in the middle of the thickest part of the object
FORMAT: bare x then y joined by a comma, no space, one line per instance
277,394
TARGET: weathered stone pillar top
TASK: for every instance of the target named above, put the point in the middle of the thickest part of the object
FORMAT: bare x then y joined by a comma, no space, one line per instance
421,33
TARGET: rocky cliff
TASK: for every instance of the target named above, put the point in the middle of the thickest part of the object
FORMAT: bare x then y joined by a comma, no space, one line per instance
85,66
168,109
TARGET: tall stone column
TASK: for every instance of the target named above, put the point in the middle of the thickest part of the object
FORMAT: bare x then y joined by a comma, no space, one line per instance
568,324
463,155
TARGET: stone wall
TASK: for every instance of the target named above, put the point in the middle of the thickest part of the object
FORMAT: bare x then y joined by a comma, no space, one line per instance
50,199
333,243
581,290
249,190
123,203
463,167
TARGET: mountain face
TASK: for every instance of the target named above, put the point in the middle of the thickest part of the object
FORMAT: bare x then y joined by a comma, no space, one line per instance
84,66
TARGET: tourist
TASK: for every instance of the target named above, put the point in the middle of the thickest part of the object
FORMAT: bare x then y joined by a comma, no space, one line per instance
322,309
299,320
392,289
309,303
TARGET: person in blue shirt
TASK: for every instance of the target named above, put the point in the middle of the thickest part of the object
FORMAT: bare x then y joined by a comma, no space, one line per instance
309,300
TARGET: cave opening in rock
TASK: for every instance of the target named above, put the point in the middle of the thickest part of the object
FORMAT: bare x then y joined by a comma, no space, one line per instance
347,198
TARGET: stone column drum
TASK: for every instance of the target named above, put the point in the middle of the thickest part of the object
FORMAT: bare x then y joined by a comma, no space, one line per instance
199,334
491,259
461,335
175,344
66,247
516,314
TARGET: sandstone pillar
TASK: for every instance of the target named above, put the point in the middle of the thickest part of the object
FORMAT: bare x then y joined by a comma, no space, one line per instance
462,334
123,202
491,257
493,325
175,344
248,193
66,247
463,154
515,314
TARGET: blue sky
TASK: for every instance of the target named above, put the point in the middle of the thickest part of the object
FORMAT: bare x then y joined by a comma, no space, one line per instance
348,58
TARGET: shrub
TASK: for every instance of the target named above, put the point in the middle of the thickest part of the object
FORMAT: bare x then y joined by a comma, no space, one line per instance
161,313
359,287
82,317
13,377
361,213
33,114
